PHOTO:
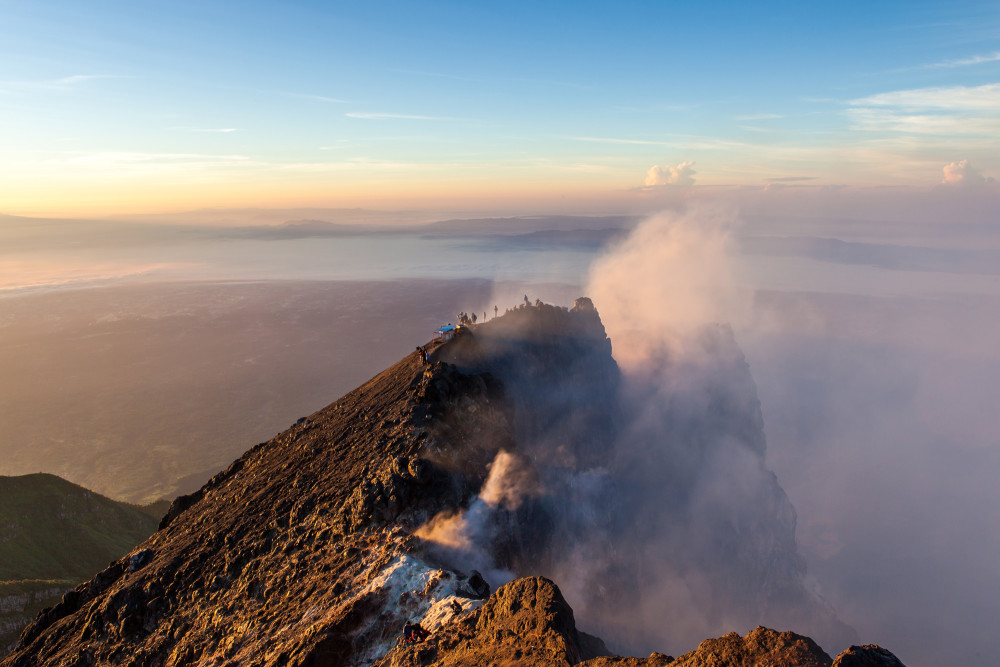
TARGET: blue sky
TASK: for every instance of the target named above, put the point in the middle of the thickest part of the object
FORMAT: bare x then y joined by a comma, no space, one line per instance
124,106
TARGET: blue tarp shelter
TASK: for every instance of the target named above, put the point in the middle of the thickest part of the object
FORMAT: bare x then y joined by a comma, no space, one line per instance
446,332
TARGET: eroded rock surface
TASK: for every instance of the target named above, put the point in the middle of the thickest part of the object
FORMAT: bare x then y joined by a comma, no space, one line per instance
869,655
526,622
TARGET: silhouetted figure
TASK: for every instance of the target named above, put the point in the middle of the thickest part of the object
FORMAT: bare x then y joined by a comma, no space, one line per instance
526,302
496,310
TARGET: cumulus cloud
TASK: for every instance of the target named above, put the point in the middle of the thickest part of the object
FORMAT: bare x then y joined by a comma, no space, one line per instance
963,173
682,174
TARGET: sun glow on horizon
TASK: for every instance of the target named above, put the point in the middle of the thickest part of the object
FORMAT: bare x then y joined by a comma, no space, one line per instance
170,120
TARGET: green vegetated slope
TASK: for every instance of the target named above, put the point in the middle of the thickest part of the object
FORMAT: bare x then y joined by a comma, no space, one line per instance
53,535
53,529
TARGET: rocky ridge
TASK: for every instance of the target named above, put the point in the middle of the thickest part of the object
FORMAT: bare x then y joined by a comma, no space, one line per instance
304,551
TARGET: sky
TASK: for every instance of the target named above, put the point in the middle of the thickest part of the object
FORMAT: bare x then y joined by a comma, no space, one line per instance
121,107
857,142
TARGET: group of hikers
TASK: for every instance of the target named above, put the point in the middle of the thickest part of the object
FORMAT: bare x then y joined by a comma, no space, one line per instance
414,633
468,320
424,354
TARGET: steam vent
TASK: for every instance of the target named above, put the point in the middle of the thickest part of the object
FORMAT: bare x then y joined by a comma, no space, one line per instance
478,493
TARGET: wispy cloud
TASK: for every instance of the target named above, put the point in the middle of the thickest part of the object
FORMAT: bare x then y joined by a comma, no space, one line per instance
129,164
759,116
222,130
317,98
64,84
553,82
887,120
683,141
616,140
965,62
375,115
953,110
472,79
791,179
435,75
958,98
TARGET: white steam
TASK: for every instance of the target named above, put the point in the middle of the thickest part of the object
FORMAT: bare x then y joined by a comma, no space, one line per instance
670,277
705,534
465,538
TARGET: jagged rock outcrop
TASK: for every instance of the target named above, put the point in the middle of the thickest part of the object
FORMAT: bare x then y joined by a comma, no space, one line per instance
761,646
526,622
869,655
312,548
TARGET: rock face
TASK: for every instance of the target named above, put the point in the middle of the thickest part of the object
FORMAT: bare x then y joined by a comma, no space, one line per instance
761,646
526,622
869,655
315,547
302,549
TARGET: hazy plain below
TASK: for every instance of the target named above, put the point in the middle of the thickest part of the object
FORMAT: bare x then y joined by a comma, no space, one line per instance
139,359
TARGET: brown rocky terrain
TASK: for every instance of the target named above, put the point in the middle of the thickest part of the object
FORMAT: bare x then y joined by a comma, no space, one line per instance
314,549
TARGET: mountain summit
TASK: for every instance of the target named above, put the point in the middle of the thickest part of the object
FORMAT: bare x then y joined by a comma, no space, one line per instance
517,449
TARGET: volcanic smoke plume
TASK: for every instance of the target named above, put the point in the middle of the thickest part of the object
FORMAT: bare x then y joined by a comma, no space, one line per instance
653,508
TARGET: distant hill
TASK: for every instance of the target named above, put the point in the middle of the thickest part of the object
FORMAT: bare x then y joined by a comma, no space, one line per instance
53,535
54,529
529,224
